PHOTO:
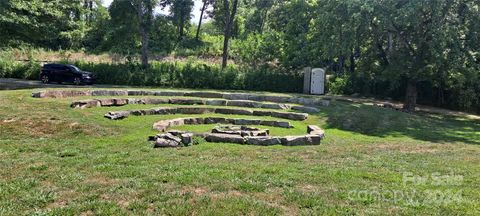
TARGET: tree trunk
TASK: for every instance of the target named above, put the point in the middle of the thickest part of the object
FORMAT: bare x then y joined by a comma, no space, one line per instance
181,26
225,50
228,27
197,36
143,30
410,96
352,63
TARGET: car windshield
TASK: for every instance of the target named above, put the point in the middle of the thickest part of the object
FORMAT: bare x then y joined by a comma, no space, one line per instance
75,68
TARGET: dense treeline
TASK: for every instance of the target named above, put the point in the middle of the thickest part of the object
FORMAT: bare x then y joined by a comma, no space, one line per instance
425,51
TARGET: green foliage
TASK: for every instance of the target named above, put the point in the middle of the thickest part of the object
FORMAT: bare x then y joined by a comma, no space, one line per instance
53,24
339,85
180,74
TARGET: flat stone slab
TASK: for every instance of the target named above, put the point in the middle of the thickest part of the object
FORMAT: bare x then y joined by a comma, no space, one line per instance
243,131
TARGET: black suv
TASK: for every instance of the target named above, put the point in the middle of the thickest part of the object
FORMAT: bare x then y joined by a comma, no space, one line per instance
65,73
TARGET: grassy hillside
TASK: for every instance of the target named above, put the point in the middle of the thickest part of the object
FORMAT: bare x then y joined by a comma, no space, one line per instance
62,161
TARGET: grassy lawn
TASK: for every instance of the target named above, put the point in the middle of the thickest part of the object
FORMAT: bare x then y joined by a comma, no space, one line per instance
61,161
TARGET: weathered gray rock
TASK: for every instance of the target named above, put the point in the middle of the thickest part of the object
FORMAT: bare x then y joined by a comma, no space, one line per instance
306,109
149,112
120,102
65,93
240,130
85,104
187,101
312,128
225,138
244,103
176,132
282,124
117,115
107,101
314,139
294,140
290,115
170,136
263,141
135,101
204,94
246,121
256,97
109,92
276,123
235,96
216,120
156,100
234,111
275,106
176,122
194,121
165,143
277,99
216,102
194,110
262,113
187,138
165,110
169,93
301,140
135,92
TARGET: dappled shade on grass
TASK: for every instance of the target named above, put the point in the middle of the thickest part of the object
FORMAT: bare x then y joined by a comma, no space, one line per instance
375,121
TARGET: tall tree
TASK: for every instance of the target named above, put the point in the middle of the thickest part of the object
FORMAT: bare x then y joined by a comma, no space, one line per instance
229,18
202,11
144,10
180,10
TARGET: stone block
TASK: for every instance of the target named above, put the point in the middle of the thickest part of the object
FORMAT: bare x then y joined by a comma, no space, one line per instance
275,106
85,104
225,138
204,94
263,141
187,101
165,143
216,102
290,115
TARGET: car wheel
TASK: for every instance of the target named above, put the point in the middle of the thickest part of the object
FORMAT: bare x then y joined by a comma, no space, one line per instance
45,79
77,81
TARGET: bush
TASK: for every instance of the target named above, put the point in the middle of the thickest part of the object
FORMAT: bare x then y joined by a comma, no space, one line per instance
195,74
338,85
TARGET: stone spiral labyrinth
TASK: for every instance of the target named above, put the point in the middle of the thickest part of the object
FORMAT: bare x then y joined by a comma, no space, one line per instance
228,130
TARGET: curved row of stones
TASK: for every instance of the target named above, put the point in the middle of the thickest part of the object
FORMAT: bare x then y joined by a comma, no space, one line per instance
249,136
114,115
165,124
242,135
89,103
201,94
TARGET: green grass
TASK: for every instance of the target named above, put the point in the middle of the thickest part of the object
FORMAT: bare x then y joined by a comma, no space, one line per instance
61,161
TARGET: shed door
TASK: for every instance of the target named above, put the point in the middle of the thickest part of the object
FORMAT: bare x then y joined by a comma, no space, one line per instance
318,81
